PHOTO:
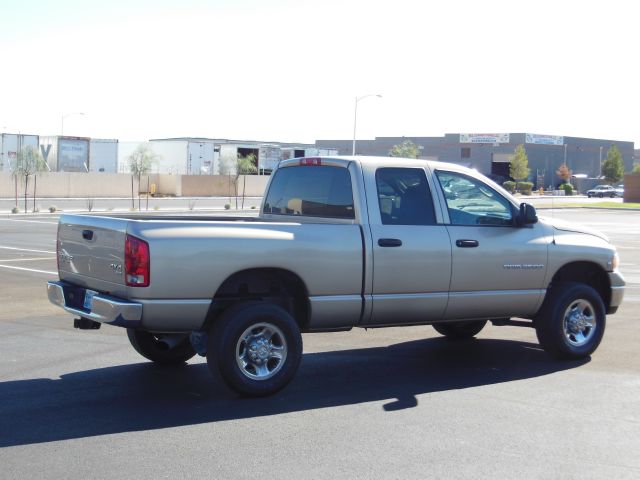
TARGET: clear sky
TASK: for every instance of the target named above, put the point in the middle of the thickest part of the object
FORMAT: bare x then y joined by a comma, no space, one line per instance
289,70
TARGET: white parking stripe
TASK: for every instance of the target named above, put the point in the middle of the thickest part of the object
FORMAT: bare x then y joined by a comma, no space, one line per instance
26,259
26,250
27,221
29,270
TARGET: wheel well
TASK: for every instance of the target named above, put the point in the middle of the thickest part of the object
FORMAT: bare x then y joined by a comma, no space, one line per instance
588,273
273,285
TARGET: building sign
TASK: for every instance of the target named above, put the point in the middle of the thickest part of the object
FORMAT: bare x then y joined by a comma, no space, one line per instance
543,139
484,138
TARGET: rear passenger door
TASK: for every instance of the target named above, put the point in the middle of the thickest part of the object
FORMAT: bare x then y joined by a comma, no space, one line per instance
411,250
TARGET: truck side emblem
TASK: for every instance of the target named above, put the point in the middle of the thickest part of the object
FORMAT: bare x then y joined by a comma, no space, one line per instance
523,266
64,257
116,267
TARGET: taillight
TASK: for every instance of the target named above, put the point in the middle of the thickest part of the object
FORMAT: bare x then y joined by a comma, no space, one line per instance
136,262
311,161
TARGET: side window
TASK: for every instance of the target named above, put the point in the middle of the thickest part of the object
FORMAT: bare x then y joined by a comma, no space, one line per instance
404,197
472,202
313,191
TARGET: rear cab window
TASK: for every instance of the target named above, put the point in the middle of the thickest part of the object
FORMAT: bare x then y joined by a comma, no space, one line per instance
311,191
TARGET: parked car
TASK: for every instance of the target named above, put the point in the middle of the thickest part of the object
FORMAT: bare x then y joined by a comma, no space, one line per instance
619,190
340,242
602,191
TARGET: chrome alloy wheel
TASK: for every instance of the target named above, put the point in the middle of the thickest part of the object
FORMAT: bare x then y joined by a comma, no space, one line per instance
579,322
261,351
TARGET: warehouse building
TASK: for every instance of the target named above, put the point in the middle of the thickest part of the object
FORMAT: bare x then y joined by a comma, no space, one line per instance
490,153
210,156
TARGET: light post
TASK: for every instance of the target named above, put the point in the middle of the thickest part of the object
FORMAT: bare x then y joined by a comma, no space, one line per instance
600,173
62,120
355,118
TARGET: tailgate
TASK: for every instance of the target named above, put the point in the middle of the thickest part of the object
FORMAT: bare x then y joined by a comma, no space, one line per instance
91,251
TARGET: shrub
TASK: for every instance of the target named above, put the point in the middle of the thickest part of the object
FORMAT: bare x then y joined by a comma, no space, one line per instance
526,187
52,208
568,188
15,210
227,206
509,186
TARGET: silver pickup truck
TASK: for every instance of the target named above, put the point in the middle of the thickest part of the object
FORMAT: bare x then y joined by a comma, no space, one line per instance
339,243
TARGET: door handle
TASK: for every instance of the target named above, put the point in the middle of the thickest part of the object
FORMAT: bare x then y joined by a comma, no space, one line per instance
87,234
467,243
389,242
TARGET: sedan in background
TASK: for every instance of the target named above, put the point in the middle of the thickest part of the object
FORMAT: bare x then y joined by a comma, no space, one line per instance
602,191
619,190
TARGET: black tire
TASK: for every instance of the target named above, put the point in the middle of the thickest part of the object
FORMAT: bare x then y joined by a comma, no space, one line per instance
255,347
588,195
460,330
571,322
174,350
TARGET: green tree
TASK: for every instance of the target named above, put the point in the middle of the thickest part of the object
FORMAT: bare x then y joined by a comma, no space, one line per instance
246,165
636,168
519,165
140,163
613,166
407,149
28,163
234,167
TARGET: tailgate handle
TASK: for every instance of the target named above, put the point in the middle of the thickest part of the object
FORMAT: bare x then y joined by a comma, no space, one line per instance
467,243
87,234
390,242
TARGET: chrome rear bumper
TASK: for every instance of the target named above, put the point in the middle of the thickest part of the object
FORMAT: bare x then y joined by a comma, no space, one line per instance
104,309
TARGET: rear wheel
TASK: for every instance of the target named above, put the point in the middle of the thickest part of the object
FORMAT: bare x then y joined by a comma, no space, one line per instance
162,348
572,321
460,330
256,347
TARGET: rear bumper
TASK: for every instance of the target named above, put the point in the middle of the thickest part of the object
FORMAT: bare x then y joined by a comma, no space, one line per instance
104,308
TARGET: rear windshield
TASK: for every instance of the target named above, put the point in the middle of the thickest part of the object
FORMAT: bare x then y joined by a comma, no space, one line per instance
313,191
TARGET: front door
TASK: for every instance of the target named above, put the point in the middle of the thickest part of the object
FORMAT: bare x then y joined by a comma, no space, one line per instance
498,268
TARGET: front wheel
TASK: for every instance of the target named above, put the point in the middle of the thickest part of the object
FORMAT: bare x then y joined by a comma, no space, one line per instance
572,321
256,347
460,330
163,349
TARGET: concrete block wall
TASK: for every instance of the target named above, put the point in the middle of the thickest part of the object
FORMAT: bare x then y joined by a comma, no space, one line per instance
106,185
70,185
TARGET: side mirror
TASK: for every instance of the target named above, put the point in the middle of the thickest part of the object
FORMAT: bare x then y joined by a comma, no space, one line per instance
527,215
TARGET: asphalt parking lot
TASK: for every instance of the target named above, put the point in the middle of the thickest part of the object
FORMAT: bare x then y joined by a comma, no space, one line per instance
385,403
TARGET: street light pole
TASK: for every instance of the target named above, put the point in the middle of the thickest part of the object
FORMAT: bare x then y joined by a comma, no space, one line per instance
355,118
600,173
62,120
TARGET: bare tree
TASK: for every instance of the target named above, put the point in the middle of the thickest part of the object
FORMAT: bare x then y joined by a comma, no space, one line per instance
140,163
28,163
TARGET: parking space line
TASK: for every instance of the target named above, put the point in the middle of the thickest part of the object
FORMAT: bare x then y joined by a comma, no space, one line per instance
26,259
26,250
28,269
27,221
